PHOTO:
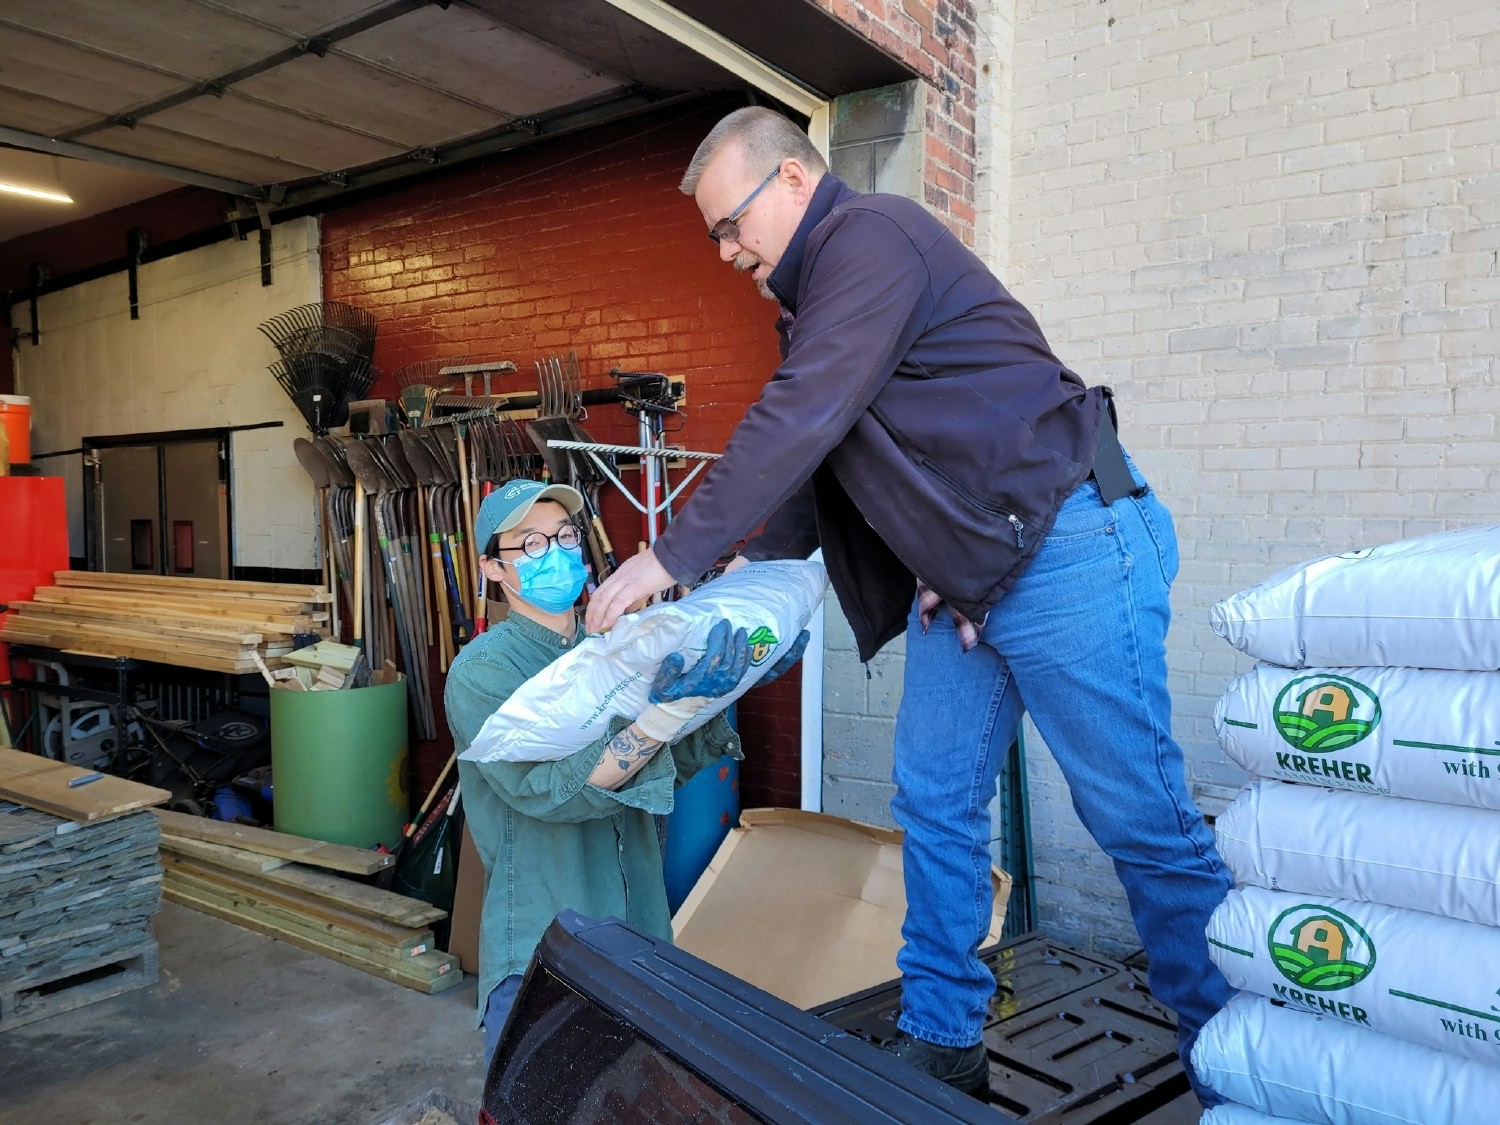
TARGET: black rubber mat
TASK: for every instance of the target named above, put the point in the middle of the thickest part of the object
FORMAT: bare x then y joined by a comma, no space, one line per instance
1072,1038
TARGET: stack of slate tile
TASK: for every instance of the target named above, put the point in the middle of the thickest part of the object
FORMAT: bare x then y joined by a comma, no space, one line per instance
76,903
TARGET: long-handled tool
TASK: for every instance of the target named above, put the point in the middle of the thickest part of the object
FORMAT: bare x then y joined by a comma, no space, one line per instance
361,609
559,391
388,873
458,559
448,439
326,351
340,518
419,457
378,474
311,458
466,491
442,530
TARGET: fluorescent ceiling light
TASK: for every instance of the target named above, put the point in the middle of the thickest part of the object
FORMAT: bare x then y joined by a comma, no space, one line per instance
36,193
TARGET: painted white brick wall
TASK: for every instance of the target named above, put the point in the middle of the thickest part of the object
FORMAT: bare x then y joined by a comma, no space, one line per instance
1273,227
193,360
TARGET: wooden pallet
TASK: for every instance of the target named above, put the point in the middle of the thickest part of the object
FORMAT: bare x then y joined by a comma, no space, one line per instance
99,978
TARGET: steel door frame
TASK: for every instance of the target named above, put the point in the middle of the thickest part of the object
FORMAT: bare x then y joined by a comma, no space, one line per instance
94,549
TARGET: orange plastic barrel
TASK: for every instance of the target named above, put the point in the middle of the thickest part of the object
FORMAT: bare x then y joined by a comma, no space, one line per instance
15,416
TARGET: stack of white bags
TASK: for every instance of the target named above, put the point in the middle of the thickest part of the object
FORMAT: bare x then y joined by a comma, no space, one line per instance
1364,929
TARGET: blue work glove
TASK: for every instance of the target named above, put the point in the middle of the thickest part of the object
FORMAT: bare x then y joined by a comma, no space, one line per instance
788,658
677,696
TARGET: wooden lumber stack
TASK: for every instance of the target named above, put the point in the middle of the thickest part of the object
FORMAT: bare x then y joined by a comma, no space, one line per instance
216,625
54,787
76,902
271,882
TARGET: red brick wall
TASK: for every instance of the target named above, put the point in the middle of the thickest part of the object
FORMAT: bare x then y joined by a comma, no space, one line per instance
580,243
936,38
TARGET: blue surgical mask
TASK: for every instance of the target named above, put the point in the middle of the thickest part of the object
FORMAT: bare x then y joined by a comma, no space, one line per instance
553,582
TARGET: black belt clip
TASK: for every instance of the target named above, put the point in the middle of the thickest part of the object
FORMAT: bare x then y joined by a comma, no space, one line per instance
1110,472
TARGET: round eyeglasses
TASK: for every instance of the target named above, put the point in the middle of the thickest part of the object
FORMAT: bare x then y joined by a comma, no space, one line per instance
535,544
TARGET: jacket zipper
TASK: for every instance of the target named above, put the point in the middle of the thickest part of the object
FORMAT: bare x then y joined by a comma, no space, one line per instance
1014,520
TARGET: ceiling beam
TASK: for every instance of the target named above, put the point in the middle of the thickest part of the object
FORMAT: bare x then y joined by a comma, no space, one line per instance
727,54
318,45
34,142
628,101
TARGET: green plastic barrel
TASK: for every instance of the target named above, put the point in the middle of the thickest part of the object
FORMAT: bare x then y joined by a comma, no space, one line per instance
338,764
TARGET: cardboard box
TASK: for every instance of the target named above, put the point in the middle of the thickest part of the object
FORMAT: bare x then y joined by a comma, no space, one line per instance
468,903
807,907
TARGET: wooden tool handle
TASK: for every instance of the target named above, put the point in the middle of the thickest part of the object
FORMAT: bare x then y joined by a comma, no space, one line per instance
431,793
466,588
359,562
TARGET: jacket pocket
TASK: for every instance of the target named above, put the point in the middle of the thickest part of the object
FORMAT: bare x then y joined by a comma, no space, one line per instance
966,494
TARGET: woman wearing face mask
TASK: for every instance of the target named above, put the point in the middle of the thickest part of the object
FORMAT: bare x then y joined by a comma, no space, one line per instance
578,833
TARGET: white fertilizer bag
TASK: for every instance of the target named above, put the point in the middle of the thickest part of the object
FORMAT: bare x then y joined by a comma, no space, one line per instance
1412,854
1432,602
1303,1067
1430,735
570,703
1232,1113
1415,976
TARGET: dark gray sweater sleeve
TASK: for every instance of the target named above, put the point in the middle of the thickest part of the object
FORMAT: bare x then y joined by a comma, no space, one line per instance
791,533
866,301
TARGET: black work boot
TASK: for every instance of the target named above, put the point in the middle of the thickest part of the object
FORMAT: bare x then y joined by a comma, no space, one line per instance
964,1068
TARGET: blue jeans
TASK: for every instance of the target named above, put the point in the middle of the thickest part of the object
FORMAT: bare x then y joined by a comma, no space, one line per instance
1080,644
497,1006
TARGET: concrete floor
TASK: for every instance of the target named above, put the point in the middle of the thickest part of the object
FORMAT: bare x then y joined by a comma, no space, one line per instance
1184,1111
243,1029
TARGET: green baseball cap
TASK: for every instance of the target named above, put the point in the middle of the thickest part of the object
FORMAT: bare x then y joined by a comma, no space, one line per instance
507,506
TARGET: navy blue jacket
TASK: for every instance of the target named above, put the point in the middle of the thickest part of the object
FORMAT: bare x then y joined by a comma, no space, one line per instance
918,426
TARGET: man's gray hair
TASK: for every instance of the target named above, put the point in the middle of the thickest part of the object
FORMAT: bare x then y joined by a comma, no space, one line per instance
766,137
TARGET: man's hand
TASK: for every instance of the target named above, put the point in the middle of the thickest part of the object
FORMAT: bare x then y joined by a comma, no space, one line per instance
637,578
790,657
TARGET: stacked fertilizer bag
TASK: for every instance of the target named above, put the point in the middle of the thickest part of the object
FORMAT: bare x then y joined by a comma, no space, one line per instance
1364,929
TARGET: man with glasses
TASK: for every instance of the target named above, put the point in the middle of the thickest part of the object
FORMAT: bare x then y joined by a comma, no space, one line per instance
969,492
579,833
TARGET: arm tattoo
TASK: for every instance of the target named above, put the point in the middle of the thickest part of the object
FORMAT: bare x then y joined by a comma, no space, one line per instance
629,749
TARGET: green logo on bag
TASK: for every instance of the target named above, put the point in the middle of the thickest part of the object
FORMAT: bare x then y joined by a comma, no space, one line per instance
762,643
1320,713
1320,949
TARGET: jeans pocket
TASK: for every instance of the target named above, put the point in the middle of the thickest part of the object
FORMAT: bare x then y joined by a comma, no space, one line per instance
1163,533
1083,515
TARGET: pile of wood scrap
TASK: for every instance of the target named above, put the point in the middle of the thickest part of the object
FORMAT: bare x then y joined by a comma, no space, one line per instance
216,625
280,885
327,666
79,884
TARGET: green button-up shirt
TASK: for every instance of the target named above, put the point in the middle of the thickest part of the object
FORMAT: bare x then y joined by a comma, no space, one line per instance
548,839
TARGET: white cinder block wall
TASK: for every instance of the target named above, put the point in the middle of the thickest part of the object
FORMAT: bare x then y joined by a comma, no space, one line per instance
1273,227
193,360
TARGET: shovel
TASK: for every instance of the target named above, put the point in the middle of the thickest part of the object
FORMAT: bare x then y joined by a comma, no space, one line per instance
420,461
311,458
372,472
448,439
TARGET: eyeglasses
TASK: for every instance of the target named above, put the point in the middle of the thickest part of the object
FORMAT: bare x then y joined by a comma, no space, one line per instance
535,544
729,228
